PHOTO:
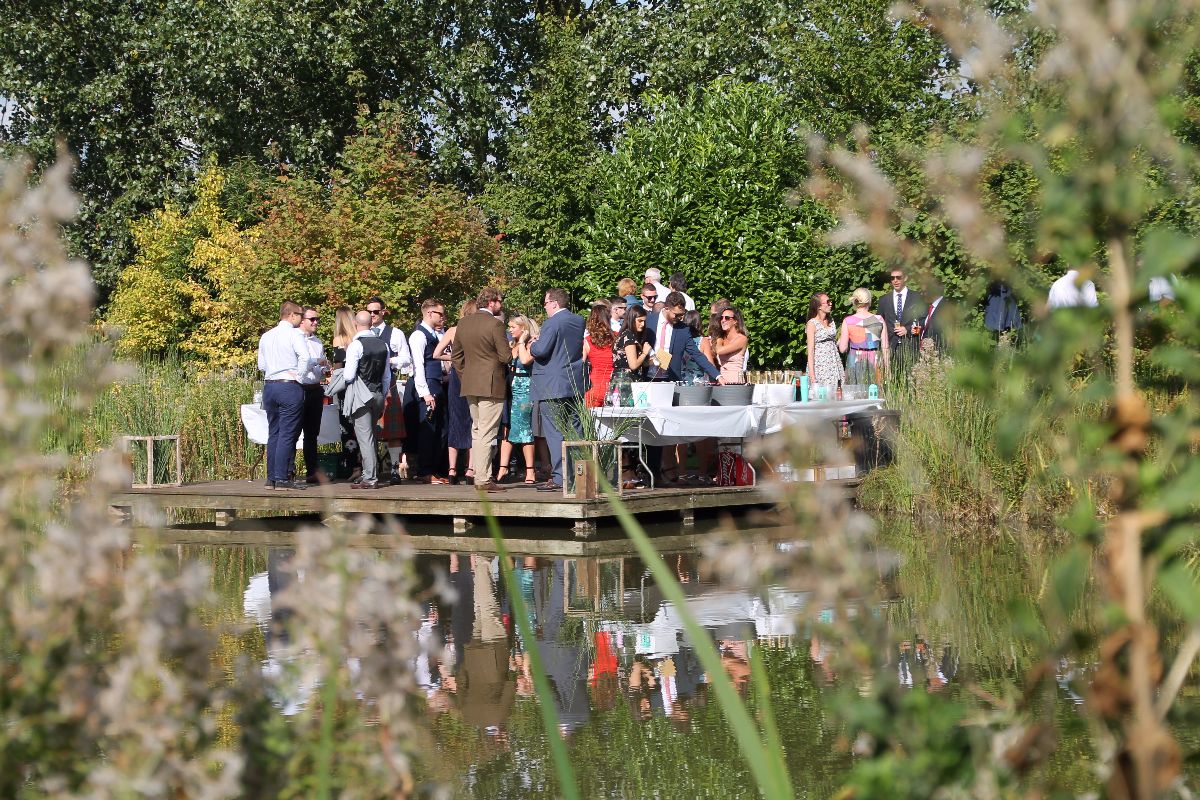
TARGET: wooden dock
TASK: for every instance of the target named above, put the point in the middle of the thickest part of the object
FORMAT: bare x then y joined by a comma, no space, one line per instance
461,506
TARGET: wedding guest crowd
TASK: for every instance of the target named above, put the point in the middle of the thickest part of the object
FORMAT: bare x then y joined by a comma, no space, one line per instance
438,404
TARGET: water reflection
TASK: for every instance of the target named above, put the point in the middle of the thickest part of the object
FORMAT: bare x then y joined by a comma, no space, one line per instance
626,682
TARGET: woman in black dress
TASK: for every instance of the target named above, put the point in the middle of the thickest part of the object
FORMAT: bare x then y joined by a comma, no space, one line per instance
458,411
630,353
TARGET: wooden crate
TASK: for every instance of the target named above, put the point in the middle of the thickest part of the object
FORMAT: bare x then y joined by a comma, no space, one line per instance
581,473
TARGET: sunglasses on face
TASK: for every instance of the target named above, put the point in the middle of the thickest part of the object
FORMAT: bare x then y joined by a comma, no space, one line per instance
726,318
897,277
650,297
374,311
311,319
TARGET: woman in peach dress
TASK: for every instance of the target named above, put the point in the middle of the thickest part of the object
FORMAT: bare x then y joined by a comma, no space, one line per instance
863,340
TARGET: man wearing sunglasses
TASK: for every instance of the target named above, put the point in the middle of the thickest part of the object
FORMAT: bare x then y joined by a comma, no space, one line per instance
900,308
314,397
401,363
283,358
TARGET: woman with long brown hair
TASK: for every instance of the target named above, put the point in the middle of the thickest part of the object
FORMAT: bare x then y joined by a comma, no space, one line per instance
726,347
821,334
598,352
458,411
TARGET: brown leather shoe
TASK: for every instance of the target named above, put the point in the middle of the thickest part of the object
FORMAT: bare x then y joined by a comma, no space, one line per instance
434,480
490,486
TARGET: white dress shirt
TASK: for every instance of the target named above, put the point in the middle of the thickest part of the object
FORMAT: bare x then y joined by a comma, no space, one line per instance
316,353
1068,292
354,352
416,344
282,353
401,360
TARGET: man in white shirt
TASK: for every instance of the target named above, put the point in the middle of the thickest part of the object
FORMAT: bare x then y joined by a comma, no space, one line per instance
1070,292
314,394
654,276
425,397
400,360
617,307
678,283
367,362
283,358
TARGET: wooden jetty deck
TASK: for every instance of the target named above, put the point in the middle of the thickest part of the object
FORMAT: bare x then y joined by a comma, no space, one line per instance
462,506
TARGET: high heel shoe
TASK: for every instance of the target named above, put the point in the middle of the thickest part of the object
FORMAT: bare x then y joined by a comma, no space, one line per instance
452,474
469,477
501,474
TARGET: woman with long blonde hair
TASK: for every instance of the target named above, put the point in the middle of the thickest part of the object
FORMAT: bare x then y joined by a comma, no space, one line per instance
521,330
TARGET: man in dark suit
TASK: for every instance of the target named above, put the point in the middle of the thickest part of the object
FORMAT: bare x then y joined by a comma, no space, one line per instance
938,319
481,355
668,332
900,308
670,337
557,375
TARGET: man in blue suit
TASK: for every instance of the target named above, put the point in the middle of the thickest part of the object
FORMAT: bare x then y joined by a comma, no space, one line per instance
668,331
557,375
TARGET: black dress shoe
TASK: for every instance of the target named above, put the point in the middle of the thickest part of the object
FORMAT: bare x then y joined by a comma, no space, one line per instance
395,479
312,480
549,486
281,486
364,485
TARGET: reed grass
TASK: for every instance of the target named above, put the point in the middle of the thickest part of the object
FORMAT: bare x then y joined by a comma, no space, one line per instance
948,463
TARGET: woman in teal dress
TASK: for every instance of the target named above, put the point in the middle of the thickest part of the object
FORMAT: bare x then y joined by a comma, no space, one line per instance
521,330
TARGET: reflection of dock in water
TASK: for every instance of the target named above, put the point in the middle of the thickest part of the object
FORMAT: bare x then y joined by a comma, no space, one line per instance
669,537
460,507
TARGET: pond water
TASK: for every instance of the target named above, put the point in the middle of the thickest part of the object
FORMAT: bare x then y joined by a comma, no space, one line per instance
631,696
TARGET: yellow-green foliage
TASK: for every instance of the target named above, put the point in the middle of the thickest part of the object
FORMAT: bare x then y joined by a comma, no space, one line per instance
206,286
176,294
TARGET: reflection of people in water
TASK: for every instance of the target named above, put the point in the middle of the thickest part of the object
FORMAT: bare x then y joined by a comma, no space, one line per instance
479,674
642,683
938,673
565,661
736,661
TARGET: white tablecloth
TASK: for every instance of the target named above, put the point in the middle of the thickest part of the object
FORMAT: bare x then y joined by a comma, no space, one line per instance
679,424
254,420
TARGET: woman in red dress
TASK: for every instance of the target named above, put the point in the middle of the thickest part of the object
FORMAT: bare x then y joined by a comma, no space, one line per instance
598,350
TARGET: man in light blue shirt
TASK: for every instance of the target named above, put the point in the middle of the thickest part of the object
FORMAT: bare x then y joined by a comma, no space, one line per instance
283,358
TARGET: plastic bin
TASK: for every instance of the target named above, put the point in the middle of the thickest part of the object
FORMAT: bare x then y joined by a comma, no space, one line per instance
738,394
872,435
698,394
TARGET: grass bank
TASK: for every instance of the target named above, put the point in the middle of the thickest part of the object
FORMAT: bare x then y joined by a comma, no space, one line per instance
160,396
948,463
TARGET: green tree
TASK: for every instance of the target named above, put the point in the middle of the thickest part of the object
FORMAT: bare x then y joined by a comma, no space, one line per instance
205,284
545,201
711,187
144,93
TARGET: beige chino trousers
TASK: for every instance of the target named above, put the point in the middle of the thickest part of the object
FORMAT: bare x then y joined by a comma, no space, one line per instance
485,425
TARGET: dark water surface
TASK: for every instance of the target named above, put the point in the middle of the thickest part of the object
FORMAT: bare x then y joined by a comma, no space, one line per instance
629,690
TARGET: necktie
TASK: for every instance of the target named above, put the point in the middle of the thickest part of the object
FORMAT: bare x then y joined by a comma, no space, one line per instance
899,305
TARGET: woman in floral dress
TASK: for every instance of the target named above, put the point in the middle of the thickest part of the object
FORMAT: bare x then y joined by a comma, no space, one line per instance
824,362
